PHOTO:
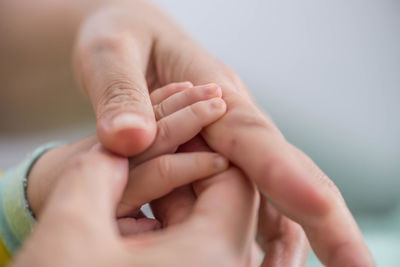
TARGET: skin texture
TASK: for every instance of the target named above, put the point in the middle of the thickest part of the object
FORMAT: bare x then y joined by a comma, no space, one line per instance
125,49
79,228
142,57
61,181
156,169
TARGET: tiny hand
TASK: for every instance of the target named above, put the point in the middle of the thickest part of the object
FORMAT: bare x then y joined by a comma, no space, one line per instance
157,170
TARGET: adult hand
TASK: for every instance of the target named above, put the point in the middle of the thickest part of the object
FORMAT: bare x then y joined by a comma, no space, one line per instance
125,49
198,106
78,227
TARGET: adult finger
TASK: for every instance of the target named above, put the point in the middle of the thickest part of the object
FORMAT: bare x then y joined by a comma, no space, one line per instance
255,145
90,187
339,247
283,241
111,61
175,207
79,214
227,206
167,172
295,188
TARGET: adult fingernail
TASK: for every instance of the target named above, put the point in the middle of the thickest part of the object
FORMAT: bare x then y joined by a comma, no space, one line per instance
129,121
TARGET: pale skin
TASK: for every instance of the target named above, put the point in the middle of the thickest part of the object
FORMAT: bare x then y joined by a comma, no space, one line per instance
77,226
157,168
126,49
54,193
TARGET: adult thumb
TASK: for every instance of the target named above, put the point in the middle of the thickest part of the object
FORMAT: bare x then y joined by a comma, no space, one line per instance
90,186
111,66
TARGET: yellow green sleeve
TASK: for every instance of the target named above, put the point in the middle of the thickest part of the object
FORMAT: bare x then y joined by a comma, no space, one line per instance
16,219
4,255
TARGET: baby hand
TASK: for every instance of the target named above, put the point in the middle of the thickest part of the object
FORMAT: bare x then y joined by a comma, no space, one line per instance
182,111
181,115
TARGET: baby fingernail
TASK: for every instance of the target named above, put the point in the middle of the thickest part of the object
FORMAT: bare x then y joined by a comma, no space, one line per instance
213,90
211,85
220,162
186,84
217,103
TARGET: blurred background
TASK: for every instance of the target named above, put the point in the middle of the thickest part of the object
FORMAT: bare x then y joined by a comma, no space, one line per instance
327,72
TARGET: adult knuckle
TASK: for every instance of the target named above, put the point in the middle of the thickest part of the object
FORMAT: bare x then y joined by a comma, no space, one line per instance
335,198
123,90
121,93
102,43
111,42
245,123
324,180
228,76
327,182
319,176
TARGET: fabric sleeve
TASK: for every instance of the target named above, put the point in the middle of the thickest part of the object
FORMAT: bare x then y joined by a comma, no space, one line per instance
4,255
16,219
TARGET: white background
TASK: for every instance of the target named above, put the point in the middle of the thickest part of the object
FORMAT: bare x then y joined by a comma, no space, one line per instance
328,72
